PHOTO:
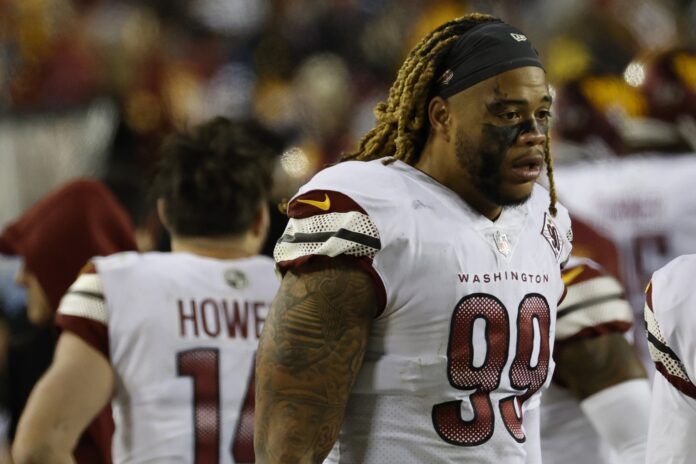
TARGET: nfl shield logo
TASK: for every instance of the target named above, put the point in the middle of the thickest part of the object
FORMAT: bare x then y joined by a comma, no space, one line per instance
236,279
502,243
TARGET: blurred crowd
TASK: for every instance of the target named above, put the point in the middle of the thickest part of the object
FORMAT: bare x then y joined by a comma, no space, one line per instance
89,87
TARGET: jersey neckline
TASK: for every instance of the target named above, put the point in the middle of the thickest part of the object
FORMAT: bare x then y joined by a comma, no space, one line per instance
510,217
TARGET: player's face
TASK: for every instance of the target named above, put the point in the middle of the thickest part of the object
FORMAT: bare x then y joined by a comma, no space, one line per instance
38,308
501,130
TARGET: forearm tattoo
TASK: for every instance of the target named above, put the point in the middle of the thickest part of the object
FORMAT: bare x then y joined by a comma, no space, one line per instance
309,355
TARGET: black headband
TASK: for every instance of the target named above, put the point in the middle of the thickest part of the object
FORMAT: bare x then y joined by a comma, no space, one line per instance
485,51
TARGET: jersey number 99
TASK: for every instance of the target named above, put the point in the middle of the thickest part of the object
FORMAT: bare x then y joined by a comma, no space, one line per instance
526,375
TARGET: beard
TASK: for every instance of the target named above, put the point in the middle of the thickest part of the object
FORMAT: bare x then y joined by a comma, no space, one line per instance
484,166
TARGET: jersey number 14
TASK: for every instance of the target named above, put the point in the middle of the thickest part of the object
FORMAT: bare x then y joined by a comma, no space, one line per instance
203,365
525,374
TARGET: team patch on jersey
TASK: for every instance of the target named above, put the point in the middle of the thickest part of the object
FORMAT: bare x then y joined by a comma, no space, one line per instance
326,223
551,234
666,360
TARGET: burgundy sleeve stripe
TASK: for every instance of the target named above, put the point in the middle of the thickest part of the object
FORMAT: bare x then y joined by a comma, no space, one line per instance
680,384
665,349
648,296
598,330
92,332
563,295
362,262
588,303
316,202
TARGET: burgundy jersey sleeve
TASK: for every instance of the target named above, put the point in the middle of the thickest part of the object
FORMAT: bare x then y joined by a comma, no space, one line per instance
325,224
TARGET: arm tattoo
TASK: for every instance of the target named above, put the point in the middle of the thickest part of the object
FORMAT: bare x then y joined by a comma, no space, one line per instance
310,352
588,366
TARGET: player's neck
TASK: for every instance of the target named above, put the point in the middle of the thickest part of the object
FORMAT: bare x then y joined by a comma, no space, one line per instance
218,248
452,176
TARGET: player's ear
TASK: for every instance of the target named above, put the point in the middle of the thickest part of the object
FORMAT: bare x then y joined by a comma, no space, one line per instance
262,221
162,213
439,117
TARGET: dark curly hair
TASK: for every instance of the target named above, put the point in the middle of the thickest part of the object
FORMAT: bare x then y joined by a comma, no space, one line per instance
214,178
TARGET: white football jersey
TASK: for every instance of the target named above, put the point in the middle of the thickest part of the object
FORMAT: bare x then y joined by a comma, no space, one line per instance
181,333
595,304
671,330
640,204
462,346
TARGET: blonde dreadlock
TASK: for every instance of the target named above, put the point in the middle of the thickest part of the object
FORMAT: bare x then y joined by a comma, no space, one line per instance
402,121
548,159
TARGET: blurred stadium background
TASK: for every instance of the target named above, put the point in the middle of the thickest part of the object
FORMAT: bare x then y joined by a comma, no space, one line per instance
89,87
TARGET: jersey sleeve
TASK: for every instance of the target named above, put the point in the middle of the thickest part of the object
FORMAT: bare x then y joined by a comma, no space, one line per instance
594,305
328,218
668,309
83,312
326,223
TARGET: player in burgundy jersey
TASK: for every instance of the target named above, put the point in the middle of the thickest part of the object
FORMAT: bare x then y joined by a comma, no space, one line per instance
169,338
415,320
55,238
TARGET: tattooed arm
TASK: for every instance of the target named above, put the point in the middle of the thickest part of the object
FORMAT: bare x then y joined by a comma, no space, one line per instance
309,355
589,365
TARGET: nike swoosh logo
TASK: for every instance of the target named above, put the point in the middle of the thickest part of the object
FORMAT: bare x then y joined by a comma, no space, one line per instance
322,205
572,274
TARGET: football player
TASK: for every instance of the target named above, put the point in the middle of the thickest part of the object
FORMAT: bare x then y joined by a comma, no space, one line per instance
55,238
415,319
669,309
599,380
169,338
649,226
654,224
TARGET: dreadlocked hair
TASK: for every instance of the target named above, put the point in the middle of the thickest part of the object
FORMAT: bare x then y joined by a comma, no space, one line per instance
548,159
402,121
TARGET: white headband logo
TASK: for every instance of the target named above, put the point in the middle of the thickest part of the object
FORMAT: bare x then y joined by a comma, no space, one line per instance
518,37
446,77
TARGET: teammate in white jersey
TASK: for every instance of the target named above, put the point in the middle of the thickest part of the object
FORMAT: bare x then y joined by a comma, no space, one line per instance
670,323
649,227
170,338
599,380
416,316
